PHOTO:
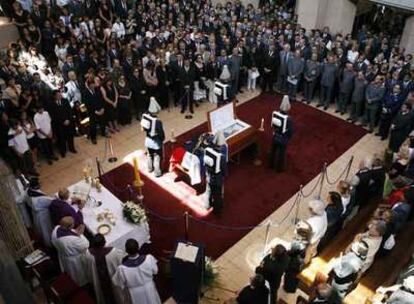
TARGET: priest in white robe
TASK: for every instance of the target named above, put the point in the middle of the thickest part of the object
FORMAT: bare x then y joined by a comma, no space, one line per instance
39,204
71,246
102,263
135,276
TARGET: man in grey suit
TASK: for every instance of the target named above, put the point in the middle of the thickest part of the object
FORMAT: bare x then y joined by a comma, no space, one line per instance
374,94
234,66
358,97
296,65
285,56
329,70
311,74
345,88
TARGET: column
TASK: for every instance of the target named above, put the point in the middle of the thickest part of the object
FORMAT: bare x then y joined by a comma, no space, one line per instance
311,12
407,39
339,15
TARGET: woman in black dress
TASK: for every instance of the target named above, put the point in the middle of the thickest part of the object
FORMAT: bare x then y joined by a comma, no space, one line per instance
139,92
110,98
124,101
105,13
163,83
19,16
34,32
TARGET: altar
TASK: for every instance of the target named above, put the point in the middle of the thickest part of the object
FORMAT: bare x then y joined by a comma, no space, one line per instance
105,202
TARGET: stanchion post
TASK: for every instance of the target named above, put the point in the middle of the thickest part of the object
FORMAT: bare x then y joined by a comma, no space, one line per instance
98,167
266,237
322,179
186,225
298,199
112,157
349,167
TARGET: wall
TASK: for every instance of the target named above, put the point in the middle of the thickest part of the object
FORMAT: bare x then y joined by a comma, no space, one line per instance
339,15
407,39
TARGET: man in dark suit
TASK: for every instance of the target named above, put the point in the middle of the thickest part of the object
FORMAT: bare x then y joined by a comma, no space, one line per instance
121,9
67,67
270,63
96,111
187,76
63,124
176,67
285,56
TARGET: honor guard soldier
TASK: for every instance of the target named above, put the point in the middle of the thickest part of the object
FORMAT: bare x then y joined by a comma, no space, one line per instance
283,129
155,137
215,160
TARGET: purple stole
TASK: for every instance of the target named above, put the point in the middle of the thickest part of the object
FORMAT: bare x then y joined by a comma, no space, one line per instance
99,255
62,232
133,262
59,209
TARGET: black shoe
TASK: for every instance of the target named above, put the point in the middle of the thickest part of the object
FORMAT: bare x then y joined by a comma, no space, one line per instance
73,151
192,111
182,111
383,138
63,155
370,131
33,173
241,91
49,161
342,113
336,111
318,105
325,108
377,134
94,141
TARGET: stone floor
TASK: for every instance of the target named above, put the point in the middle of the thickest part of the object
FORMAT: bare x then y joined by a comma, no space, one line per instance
237,264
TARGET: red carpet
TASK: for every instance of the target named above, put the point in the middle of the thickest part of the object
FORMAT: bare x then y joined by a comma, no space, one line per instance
251,193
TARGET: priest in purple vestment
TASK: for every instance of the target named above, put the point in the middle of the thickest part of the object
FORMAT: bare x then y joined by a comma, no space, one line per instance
62,206
102,263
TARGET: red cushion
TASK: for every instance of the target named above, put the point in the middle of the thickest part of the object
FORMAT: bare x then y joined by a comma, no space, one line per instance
64,286
81,297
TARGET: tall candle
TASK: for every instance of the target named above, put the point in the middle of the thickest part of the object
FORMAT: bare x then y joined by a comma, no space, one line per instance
262,124
136,171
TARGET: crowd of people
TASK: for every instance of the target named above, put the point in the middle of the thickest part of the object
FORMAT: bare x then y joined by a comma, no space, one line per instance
107,58
387,185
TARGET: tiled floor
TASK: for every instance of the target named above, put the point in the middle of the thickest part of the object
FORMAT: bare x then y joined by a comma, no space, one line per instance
238,263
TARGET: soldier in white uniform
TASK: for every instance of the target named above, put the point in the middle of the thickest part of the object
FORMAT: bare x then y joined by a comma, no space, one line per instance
155,137
135,276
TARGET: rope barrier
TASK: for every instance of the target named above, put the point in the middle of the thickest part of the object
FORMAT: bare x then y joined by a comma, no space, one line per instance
295,206
346,170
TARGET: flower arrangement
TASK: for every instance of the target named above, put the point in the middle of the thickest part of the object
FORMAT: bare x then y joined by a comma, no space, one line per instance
211,272
134,213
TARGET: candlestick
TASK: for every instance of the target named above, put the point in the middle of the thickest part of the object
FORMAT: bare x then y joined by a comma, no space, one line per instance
173,139
261,125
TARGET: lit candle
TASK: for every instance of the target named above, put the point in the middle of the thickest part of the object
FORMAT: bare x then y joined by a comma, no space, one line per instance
262,124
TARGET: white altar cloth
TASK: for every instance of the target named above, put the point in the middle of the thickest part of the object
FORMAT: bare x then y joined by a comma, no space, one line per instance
122,230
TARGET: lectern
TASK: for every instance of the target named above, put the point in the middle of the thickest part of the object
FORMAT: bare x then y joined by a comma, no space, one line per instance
187,267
